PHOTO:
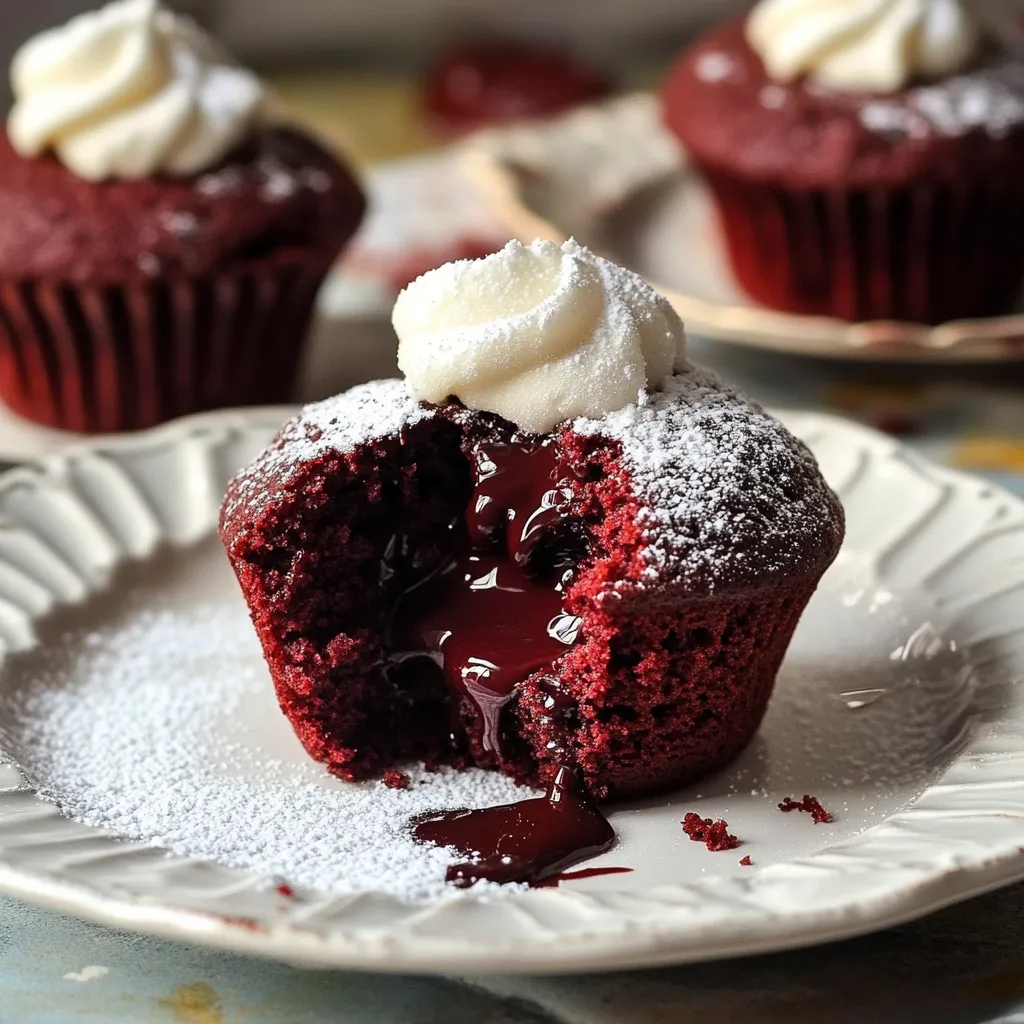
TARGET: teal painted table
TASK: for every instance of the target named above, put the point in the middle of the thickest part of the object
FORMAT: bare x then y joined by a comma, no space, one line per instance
962,966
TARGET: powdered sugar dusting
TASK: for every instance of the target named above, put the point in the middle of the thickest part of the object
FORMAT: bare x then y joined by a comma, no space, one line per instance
728,493
364,413
538,334
714,66
990,100
140,729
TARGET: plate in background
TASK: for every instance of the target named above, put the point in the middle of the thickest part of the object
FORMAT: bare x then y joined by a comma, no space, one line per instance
611,176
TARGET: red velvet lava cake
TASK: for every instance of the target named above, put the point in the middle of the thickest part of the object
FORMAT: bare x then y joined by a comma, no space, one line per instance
432,583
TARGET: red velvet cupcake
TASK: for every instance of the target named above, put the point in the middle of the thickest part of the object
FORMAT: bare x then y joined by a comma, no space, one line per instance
533,582
867,159
161,242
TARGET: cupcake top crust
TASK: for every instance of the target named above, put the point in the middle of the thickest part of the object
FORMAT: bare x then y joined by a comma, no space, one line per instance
712,495
722,496
280,194
732,112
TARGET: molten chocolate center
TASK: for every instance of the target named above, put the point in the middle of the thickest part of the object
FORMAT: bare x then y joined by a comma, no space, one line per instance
492,615
487,619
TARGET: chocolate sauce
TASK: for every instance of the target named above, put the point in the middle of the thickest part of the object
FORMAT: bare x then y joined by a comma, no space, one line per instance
527,841
492,615
485,620
552,881
519,490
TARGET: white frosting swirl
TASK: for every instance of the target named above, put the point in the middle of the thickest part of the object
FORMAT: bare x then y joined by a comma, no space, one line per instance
130,91
538,334
863,45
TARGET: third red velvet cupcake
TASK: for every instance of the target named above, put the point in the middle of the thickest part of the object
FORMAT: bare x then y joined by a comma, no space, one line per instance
499,82
866,157
162,238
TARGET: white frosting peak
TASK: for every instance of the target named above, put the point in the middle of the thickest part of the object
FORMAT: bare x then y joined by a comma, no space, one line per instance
863,45
538,334
130,91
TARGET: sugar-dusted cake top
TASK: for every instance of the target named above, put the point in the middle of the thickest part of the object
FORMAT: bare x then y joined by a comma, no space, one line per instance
338,424
727,493
724,494
721,101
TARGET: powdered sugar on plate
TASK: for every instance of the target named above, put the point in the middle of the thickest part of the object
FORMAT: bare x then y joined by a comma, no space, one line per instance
138,729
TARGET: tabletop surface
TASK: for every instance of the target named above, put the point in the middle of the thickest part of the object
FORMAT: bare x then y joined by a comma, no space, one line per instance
964,965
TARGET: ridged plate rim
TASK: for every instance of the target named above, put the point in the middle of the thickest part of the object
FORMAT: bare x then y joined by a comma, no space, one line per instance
964,835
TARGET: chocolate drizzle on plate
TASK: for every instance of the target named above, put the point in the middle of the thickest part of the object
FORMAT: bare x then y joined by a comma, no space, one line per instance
553,881
527,841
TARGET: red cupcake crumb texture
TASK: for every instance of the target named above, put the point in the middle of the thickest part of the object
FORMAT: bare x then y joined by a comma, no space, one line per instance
394,779
284,889
746,862
810,805
713,834
660,687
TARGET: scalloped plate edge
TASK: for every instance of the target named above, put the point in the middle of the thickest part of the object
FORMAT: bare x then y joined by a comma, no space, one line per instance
887,875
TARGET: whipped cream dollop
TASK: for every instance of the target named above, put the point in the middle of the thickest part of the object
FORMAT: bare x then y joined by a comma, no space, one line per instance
864,45
538,334
130,91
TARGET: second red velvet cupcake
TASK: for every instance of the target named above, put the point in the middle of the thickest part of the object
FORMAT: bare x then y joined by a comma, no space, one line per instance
162,241
867,159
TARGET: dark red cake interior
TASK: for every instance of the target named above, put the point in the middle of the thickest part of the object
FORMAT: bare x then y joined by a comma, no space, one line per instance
391,548
656,688
490,614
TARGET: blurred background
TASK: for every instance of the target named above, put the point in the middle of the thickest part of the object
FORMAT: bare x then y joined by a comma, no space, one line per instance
358,72
271,32
354,68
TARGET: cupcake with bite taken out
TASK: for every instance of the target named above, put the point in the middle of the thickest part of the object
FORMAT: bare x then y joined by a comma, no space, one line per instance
866,157
556,544
162,237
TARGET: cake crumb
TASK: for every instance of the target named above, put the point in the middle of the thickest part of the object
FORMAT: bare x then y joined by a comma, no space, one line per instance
394,779
810,805
746,862
713,834
284,889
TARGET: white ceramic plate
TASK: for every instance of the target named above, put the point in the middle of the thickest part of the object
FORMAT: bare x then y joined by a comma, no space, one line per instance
900,706
611,176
